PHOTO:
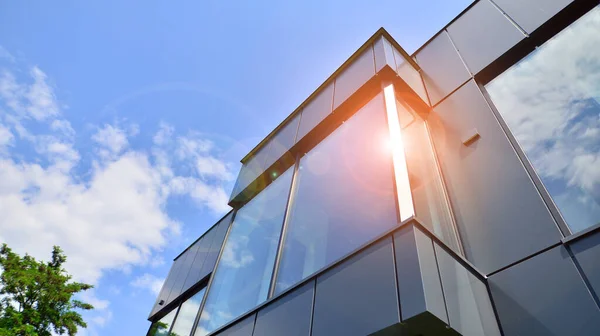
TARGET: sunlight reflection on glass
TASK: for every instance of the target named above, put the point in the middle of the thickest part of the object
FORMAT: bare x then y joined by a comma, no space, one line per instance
404,194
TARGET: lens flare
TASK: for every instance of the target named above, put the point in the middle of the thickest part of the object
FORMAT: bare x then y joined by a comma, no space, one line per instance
405,201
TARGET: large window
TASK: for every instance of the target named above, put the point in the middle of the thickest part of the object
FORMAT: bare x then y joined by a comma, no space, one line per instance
243,275
550,102
344,196
161,328
187,313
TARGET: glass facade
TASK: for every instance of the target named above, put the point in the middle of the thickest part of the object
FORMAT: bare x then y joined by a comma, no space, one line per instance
430,202
243,275
161,328
344,196
550,102
187,314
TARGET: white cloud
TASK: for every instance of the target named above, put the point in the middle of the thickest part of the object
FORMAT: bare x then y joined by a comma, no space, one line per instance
212,167
111,216
112,139
148,282
4,54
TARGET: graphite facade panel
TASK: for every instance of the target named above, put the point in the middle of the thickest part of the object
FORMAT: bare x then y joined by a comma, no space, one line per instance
244,327
543,296
442,68
196,272
315,111
467,299
187,258
354,76
289,315
410,76
357,297
483,34
384,54
418,277
587,253
530,14
213,252
494,200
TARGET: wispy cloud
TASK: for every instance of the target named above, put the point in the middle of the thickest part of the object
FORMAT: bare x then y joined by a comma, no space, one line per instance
148,282
111,216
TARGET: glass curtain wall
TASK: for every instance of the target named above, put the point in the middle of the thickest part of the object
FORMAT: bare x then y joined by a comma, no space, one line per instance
243,276
428,194
187,314
550,101
344,196
161,328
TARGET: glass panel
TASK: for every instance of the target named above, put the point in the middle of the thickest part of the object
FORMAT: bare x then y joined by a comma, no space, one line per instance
243,275
161,328
344,196
187,314
431,205
550,102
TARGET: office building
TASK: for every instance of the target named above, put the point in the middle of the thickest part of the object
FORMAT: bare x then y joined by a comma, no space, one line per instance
455,191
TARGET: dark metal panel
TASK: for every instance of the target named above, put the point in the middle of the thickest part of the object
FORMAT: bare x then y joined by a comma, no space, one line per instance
410,75
544,296
530,14
587,253
244,327
196,273
215,246
467,299
494,200
442,69
384,54
170,281
482,34
418,278
315,111
283,141
354,76
164,292
289,315
188,264
185,260
357,297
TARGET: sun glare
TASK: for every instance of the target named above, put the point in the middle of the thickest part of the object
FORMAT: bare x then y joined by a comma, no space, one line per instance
405,201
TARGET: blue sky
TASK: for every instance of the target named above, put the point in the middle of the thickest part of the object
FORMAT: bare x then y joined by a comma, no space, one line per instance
122,122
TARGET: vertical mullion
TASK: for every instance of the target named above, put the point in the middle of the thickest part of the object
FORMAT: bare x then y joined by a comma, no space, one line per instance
212,277
284,225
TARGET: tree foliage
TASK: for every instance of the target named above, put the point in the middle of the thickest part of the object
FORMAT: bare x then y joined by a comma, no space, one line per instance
37,298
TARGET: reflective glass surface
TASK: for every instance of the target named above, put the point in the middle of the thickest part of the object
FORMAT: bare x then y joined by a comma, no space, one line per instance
344,196
243,275
187,313
161,328
550,102
431,205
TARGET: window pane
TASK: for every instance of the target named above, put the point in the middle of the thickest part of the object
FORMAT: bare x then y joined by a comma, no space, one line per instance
550,101
161,328
430,202
243,275
344,196
187,313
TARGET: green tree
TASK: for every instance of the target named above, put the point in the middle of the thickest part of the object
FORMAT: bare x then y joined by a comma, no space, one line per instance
36,297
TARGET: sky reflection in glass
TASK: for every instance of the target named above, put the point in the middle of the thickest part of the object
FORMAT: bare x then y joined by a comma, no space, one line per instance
550,101
344,196
243,275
